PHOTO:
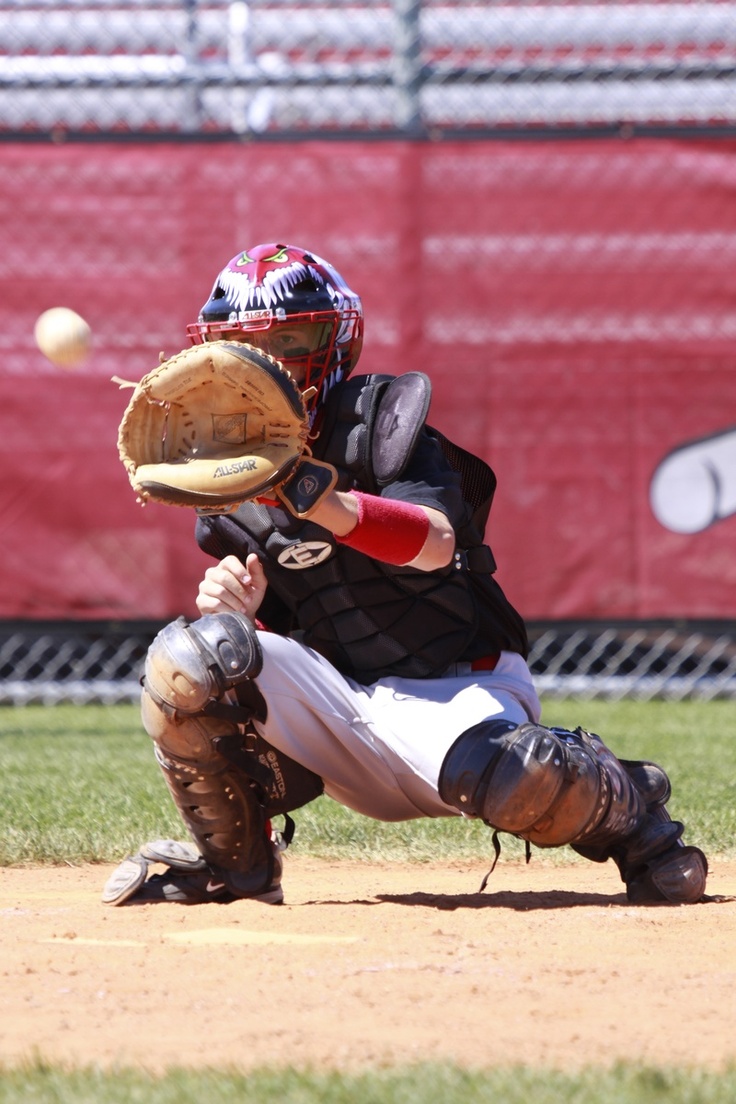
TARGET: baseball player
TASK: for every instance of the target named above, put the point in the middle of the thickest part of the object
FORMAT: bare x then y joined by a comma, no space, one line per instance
365,650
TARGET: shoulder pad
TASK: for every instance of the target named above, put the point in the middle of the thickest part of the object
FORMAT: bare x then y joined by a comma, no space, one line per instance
399,419
344,439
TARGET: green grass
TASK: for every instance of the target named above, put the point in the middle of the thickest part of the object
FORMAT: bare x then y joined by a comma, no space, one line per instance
80,784
428,1084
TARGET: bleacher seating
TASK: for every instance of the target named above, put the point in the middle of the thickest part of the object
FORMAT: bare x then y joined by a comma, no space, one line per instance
302,65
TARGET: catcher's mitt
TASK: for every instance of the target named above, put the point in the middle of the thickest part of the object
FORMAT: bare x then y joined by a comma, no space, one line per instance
212,427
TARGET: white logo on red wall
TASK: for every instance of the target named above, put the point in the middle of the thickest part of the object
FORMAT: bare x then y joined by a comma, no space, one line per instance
694,486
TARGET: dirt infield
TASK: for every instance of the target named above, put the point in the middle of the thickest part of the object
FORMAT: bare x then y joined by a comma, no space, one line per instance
370,965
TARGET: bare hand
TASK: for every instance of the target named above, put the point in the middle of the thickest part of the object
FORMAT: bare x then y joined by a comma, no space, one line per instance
232,586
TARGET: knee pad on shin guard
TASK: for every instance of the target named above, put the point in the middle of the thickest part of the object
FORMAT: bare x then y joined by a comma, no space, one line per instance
548,786
191,663
192,739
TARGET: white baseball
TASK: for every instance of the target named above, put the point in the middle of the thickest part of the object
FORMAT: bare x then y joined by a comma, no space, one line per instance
63,336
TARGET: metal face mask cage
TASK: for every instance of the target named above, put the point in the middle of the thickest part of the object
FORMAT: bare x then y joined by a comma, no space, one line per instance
331,337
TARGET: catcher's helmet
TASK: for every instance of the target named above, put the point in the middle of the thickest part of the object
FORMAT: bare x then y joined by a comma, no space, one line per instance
291,304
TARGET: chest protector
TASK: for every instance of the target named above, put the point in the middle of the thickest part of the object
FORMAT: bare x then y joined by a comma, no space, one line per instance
371,619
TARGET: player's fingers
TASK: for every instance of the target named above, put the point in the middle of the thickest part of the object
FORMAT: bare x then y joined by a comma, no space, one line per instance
255,575
231,565
217,600
224,587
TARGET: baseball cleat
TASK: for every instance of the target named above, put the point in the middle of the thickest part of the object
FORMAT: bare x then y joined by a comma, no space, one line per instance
207,885
189,879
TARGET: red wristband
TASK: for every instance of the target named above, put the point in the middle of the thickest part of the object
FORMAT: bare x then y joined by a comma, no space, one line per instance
387,530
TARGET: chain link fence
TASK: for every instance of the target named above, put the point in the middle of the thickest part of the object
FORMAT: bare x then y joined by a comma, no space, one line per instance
102,663
289,68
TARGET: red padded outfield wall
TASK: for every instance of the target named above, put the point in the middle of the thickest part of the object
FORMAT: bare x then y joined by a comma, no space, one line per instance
573,302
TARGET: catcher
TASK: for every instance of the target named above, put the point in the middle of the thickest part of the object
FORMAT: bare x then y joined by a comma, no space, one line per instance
353,639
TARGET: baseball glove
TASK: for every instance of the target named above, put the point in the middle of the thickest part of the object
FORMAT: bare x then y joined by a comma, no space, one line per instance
216,425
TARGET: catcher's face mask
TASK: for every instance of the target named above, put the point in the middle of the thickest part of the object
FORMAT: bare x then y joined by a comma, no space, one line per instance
304,348
293,306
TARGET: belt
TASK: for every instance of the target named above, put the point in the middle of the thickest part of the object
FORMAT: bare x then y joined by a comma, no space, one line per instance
485,663
463,667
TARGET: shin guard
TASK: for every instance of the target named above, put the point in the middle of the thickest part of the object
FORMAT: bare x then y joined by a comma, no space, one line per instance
552,787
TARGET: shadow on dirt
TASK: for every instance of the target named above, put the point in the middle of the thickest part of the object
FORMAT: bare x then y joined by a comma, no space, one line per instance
524,901
528,900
